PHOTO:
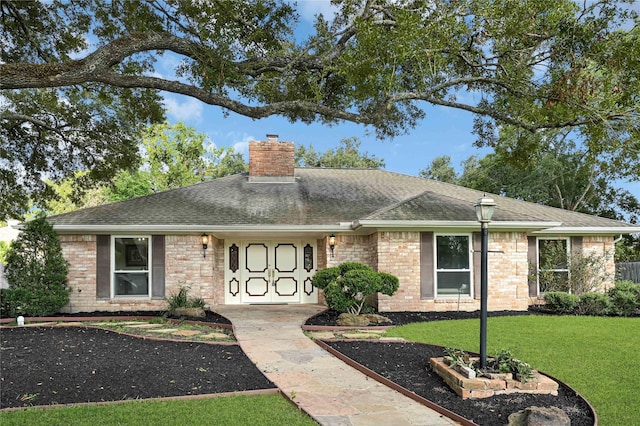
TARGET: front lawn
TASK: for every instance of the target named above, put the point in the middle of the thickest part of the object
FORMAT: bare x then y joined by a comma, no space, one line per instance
597,356
271,409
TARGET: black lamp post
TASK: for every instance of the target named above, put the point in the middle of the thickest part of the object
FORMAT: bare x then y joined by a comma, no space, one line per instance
484,211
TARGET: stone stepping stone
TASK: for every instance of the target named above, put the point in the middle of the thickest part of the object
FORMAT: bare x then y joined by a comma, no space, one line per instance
373,332
144,326
322,335
359,336
186,333
216,336
392,339
164,330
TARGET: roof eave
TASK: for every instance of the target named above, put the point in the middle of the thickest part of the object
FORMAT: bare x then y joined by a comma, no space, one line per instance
218,231
447,224
589,230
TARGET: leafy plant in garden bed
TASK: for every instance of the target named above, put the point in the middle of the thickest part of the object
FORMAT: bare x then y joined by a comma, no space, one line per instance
621,300
503,363
347,287
181,304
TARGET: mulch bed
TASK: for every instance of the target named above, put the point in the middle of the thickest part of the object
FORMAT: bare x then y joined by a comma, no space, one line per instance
62,365
406,364
58,365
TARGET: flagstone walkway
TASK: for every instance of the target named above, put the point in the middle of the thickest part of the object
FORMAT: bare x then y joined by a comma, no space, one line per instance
326,388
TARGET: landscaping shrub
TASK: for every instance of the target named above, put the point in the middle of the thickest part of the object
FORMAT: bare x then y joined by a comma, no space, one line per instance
36,272
561,302
181,299
347,286
625,298
596,304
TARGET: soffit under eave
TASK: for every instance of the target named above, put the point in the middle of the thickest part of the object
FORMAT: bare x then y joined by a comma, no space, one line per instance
369,226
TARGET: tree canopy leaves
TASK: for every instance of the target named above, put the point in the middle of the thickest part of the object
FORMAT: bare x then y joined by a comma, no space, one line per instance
346,156
79,78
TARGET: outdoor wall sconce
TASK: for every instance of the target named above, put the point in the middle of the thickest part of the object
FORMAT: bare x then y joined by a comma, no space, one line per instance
205,243
332,243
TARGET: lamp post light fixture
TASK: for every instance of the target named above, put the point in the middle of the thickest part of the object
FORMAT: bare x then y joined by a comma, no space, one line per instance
332,243
484,211
204,238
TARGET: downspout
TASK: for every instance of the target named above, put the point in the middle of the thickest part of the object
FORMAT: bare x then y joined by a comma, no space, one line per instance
617,240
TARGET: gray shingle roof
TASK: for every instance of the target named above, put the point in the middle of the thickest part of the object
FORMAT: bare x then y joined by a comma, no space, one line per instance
317,197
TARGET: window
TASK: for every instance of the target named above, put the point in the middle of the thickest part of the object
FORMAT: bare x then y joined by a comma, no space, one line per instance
131,266
553,265
453,265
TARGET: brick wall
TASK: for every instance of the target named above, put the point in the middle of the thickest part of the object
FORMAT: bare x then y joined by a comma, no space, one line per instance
602,246
184,264
399,254
271,158
352,248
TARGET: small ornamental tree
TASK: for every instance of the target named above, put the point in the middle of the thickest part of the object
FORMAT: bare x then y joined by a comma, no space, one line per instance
346,287
36,272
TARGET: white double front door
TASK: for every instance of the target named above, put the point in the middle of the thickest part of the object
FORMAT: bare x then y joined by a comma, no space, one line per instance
259,271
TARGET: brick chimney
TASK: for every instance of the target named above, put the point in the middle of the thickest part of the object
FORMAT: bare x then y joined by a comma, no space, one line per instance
271,161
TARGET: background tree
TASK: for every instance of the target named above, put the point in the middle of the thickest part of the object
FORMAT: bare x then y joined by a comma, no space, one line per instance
78,79
441,170
68,196
346,156
172,156
560,175
36,271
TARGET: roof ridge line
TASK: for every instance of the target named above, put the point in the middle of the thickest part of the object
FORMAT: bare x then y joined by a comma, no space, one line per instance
396,204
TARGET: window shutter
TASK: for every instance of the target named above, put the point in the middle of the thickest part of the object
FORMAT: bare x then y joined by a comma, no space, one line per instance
576,245
103,266
427,290
157,272
477,258
532,258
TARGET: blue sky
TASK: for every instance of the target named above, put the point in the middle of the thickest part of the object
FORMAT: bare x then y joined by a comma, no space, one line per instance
444,131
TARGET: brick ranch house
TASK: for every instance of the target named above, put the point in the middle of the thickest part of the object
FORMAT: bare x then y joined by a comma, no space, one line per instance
267,232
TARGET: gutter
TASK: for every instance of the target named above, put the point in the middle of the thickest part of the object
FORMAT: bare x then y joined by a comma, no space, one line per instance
320,230
445,224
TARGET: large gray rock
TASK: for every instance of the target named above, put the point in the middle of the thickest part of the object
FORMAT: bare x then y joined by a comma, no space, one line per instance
540,416
377,319
190,312
350,320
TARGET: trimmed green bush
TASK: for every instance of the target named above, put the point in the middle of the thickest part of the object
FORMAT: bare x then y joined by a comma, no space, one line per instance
324,277
561,302
625,298
596,304
347,286
36,272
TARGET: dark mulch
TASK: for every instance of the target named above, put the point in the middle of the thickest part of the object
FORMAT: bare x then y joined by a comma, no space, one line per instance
406,364
76,364
211,316
329,317
61,365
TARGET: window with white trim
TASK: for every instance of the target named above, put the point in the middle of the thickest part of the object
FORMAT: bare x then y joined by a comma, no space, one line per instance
553,264
453,265
131,266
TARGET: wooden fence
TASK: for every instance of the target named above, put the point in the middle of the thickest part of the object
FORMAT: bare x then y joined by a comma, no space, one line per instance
628,271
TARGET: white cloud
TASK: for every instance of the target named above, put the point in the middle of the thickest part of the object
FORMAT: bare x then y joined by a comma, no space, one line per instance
308,9
189,110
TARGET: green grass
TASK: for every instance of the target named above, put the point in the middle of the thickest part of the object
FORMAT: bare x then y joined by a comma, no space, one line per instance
271,409
599,357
